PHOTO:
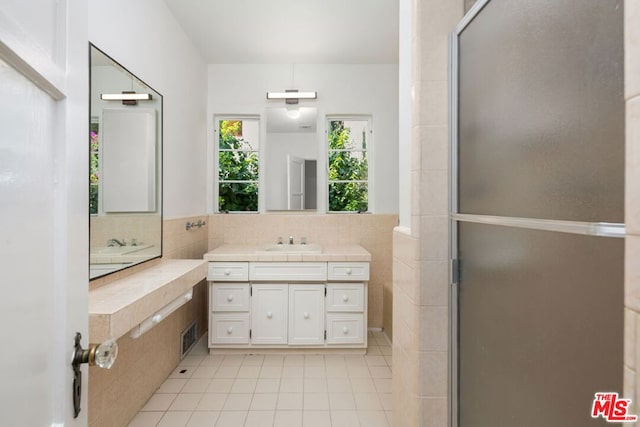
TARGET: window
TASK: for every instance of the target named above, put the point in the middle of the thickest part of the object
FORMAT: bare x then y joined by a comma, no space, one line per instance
238,144
348,164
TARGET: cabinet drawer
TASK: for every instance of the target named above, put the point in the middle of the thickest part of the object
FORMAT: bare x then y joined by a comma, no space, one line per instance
228,272
288,271
345,297
345,328
348,271
229,296
229,329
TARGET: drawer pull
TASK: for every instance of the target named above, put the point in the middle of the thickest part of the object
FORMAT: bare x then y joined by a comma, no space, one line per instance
306,315
230,297
229,330
227,272
269,315
349,272
345,330
345,298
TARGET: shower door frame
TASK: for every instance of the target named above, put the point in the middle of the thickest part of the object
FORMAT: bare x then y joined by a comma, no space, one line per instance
601,229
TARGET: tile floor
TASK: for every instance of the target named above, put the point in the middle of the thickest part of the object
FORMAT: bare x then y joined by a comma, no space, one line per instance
252,390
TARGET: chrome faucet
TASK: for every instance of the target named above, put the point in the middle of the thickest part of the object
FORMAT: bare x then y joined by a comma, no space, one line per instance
291,240
113,242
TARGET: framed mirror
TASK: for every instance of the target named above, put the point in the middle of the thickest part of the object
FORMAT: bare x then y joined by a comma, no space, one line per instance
291,158
125,168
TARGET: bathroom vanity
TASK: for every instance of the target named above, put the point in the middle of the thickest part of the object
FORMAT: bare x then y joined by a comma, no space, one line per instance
270,298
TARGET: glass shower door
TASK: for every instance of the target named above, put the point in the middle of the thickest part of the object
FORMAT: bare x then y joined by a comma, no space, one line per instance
537,211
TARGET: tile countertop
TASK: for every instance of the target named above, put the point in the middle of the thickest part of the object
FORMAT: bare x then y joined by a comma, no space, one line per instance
253,253
117,307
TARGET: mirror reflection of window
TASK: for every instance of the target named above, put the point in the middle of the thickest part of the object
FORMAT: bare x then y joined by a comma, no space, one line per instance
348,163
238,164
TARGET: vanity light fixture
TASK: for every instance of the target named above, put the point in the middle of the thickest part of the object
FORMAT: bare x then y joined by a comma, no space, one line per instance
292,96
127,97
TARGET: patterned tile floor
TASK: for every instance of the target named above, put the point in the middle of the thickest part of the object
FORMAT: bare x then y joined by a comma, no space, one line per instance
274,391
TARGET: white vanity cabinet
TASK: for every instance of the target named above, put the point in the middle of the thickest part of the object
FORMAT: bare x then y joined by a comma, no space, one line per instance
306,314
269,313
309,306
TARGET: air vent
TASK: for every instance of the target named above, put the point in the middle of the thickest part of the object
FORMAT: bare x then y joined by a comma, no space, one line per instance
188,339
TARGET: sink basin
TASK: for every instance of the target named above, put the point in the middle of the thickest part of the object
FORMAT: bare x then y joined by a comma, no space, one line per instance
118,250
309,248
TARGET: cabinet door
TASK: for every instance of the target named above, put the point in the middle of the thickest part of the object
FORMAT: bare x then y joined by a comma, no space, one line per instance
306,314
269,314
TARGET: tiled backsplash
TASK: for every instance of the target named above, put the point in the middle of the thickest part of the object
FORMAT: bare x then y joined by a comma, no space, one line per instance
371,231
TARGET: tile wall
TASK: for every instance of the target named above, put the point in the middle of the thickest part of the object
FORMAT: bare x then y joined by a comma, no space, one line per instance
373,232
420,254
116,395
632,205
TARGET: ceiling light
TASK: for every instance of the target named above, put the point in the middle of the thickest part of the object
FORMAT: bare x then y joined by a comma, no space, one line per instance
293,113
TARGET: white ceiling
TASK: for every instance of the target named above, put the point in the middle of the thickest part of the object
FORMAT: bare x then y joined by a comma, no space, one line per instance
291,31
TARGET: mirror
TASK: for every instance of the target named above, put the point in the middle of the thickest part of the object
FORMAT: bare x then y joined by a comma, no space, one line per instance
125,169
291,158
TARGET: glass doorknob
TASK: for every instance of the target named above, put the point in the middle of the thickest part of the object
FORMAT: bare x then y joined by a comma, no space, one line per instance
105,354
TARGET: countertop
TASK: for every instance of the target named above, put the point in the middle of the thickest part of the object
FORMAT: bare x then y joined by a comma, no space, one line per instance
117,307
254,253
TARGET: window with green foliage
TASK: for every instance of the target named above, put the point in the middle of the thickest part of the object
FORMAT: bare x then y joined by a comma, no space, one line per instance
94,168
238,144
348,165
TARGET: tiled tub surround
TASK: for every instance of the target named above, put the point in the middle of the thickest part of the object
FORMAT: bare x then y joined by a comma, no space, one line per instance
371,231
312,302
275,390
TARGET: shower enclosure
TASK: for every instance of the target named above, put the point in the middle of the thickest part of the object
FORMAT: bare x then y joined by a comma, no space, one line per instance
537,211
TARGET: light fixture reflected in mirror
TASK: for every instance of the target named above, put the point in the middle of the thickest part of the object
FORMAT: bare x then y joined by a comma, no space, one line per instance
293,113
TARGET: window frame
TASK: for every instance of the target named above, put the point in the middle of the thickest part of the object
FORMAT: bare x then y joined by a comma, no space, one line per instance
216,159
368,150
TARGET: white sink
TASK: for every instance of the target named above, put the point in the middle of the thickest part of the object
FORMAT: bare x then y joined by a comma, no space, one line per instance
117,250
309,248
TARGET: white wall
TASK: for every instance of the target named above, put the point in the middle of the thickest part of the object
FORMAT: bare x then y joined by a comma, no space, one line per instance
405,111
145,38
342,89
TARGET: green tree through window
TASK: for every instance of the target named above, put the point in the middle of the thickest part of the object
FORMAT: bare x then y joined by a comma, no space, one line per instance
237,167
348,165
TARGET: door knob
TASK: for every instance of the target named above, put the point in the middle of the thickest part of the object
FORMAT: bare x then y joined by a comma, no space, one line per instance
269,315
102,355
345,298
306,315
345,330
230,298
229,330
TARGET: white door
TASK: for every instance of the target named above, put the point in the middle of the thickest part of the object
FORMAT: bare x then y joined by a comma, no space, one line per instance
306,314
43,208
269,314
295,183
